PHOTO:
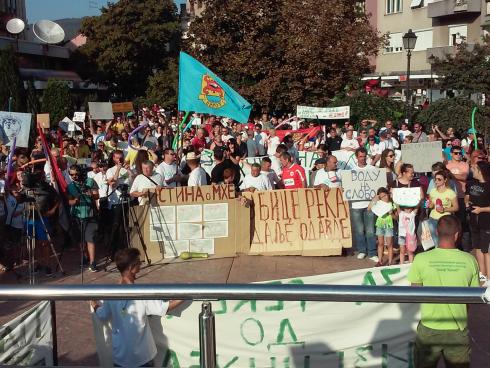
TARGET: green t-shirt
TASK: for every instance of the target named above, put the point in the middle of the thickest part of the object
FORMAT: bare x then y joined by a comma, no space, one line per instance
386,221
444,267
85,208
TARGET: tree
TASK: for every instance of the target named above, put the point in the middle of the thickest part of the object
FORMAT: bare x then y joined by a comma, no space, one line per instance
468,70
129,40
11,88
281,53
163,86
372,107
32,99
456,113
57,101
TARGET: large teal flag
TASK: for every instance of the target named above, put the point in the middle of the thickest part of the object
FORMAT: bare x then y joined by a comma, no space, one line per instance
200,90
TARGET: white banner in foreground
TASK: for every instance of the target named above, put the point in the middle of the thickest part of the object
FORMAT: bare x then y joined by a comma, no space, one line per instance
310,112
294,334
27,340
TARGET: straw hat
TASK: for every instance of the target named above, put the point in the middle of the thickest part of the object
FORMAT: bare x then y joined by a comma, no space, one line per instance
192,156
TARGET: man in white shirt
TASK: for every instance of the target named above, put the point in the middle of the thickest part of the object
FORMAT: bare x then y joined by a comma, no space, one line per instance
145,181
255,180
197,177
403,132
168,169
328,178
349,143
260,138
272,142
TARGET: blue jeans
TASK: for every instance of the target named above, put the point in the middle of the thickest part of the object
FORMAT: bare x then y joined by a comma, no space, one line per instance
362,222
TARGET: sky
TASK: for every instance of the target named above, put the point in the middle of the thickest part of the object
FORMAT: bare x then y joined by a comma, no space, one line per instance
59,9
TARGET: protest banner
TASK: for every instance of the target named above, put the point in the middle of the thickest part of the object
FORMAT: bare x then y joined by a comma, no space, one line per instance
207,219
297,135
43,120
310,112
79,116
362,184
422,155
308,222
27,339
254,333
100,110
407,197
122,107
15,125
346,160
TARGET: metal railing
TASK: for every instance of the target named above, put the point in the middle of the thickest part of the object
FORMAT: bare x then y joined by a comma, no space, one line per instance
209,292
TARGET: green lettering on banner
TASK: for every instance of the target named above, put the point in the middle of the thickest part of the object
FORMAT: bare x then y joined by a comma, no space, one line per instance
385,355
340,355
196,354
223,307
367,280
279,306
171,360
360,357
253,305
228,364
286,324
387,272
260,331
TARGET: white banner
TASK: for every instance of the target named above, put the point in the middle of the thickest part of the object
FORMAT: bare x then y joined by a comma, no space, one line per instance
15,124
294,334
362,185
27,339
100,110
79,116
422,155
310,112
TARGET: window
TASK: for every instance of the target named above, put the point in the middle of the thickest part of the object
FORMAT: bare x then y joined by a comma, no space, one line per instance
394,6
457,34
395,43
424,40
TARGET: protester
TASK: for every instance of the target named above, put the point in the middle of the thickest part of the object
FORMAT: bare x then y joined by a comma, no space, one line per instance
328,177
197,176
293,175
443,329
384,226
148,179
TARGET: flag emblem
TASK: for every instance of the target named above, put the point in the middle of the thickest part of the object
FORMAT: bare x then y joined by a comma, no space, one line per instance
212,94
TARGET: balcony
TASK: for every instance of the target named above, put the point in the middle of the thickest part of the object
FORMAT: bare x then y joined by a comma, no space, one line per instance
442,51
446,8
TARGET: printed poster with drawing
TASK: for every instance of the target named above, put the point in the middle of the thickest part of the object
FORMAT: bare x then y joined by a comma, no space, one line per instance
15,125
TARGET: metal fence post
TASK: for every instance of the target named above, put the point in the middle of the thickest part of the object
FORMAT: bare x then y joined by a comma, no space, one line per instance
207,337
54,334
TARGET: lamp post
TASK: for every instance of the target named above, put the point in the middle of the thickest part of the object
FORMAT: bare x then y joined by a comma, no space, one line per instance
409,41
431,60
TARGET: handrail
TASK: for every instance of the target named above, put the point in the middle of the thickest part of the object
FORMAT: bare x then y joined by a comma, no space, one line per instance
289,292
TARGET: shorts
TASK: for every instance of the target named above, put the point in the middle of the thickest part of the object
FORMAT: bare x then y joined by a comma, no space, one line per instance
480,238
387,232
90,233
39,231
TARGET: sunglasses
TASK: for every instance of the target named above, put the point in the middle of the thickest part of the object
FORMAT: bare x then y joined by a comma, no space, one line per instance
439,179
390,156
457,153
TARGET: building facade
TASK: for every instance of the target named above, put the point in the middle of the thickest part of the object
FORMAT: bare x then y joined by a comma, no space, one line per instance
439,25
11,9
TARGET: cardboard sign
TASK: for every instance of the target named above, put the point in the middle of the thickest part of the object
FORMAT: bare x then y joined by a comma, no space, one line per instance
308,222
381,208
100,110
206,219
43,120
346,160
79,116
15,125
122,107
422,155
406,197
309,112
362,185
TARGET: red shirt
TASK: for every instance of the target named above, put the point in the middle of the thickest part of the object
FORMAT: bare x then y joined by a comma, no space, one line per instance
199,143
293,176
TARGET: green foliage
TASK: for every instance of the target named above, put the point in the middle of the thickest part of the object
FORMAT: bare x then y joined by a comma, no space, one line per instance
163,86
128,41
57,101
455,113
372,107
468,70
282,53
10,81
32,99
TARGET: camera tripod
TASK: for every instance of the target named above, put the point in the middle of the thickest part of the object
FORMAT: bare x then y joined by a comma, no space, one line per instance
128,214
30,213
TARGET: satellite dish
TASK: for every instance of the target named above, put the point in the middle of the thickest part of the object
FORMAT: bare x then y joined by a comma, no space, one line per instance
15,26
48,31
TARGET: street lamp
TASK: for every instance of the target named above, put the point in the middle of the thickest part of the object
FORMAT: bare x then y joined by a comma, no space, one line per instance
409,41
432,60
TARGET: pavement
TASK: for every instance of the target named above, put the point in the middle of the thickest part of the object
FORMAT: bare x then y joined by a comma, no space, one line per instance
76,344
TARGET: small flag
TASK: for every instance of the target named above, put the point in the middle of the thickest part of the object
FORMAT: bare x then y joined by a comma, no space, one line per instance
202,91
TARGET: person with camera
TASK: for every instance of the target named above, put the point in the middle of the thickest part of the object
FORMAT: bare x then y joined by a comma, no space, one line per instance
82,194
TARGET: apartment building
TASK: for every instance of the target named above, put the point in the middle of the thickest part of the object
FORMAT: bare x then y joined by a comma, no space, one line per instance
439,25
11,9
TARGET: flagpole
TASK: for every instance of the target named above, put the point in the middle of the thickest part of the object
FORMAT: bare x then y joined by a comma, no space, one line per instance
176,138
473,126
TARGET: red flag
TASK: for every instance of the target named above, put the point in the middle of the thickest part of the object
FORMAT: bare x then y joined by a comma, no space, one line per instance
58,176
298,134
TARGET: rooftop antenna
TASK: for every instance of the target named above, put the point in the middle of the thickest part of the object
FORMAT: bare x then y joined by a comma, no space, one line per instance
49,32
15,26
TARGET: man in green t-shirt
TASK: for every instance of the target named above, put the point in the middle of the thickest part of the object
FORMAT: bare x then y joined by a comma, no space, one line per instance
443,331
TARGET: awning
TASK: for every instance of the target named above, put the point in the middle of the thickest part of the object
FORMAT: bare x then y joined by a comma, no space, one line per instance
46,74
397,77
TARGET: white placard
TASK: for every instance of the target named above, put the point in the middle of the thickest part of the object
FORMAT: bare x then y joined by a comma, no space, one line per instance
422,155
162,214
216,229
406,197
362,184
215,212
310,112
79,116
381,208
100,110
202,246
15,125
189,213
